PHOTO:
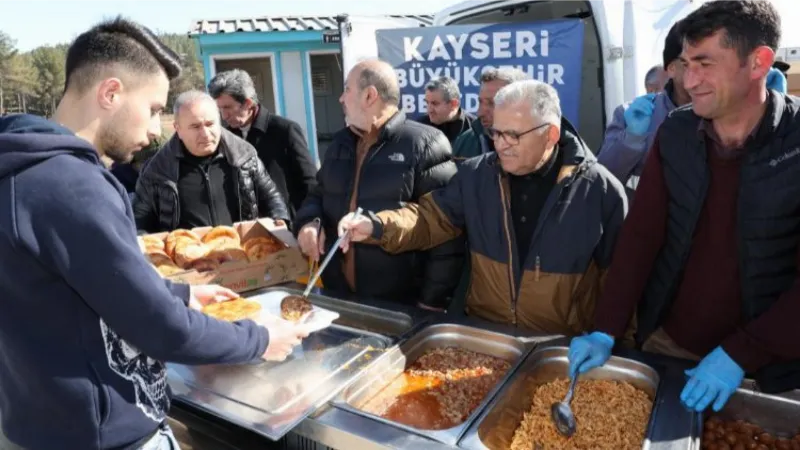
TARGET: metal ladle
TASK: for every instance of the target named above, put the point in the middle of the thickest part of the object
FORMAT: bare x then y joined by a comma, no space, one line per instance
312,280
561,413
336,245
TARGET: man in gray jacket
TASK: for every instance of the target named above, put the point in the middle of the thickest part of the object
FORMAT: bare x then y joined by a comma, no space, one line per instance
633,128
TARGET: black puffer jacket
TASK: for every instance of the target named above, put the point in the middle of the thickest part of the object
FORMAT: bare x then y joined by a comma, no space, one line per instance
407,161
157,204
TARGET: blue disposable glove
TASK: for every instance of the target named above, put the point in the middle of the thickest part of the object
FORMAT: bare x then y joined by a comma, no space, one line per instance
776,80
715,379
638,114
588,352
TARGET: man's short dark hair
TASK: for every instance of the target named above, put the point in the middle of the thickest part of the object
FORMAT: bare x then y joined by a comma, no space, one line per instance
673,45
236,83
117,42
748,24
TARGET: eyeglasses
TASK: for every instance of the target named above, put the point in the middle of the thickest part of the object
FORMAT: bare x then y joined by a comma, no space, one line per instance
512,137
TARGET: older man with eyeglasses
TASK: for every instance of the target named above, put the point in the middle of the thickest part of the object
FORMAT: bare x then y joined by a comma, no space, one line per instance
541,216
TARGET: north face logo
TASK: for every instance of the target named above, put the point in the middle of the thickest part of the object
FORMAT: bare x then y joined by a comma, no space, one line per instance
397,157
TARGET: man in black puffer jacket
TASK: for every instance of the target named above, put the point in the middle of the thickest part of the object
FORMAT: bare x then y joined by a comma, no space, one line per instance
381,161
204,175
280,143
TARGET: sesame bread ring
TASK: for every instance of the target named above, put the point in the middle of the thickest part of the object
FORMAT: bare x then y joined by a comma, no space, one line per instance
169,242
223,242
152,241
226,232
258,251
228,254
204,264
188,251
158,257
273,245
150,247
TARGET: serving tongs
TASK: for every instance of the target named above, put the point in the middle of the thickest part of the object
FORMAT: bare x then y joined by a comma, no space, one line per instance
313,280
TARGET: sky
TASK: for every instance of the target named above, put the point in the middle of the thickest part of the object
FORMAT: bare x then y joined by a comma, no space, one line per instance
35,22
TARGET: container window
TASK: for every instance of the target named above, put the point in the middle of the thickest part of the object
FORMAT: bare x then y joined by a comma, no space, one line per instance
320,82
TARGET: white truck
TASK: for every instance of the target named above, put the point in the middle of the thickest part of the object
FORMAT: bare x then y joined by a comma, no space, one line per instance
622,40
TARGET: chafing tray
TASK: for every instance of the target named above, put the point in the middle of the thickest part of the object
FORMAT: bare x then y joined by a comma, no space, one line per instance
393,363
271,398
778,415
496,426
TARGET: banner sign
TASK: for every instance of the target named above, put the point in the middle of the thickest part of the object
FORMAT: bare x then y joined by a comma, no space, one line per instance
549,51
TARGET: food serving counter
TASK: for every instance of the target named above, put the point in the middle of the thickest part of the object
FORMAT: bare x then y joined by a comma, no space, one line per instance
324,395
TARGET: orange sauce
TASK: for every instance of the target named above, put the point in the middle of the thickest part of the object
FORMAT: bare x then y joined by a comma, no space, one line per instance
414,404
439,390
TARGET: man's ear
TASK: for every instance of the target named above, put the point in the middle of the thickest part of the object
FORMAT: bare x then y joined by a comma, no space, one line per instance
371,95
553,135
108,92
763,58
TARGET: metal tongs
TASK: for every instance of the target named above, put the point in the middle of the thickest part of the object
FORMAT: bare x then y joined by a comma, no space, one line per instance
336,245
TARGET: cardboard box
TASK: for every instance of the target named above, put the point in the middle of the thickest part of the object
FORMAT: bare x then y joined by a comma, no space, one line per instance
283,266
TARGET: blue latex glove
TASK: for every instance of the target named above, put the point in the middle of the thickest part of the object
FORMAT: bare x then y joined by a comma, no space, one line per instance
638,114
588,352
715,379
776,80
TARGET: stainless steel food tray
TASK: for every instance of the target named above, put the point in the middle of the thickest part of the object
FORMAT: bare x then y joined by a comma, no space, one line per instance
495,428
778,415
393,363
271,398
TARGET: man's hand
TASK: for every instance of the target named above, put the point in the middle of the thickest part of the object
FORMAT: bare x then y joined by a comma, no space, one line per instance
588,352
311,239
360,228
639,113
283,337
207,294
714,380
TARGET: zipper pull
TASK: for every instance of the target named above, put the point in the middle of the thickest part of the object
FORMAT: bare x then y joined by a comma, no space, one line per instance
538,267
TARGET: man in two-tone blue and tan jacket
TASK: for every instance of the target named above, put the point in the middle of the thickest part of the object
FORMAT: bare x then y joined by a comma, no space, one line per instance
541,216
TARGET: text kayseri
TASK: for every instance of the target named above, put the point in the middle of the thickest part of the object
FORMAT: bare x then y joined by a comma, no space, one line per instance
500,44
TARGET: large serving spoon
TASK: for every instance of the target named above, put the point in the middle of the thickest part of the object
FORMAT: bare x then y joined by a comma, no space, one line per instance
313,280
562,414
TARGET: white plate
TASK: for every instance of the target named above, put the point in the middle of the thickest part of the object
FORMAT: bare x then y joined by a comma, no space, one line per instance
320,319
